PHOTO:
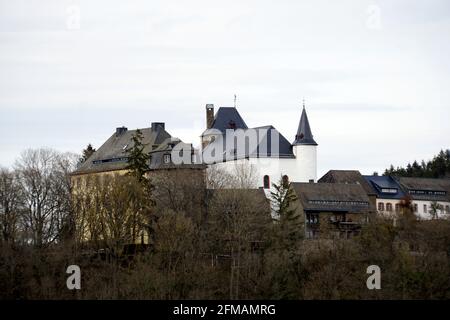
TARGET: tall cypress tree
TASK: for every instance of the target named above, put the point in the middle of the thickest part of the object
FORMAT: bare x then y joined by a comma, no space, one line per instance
137,158
288,219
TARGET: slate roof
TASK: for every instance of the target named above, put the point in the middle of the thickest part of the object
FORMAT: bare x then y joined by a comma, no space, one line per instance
333,197
426,188
112,156
228,118
304,135
347,176
380,183
263,147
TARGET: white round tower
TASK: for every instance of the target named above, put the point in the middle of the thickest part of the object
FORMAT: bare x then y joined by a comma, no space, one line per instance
305,151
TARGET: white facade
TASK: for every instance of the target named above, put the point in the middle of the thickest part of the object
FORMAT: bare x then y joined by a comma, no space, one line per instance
297,161
302,168
421,208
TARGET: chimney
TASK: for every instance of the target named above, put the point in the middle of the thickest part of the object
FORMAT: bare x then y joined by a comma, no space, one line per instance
156,126
120,130
209,115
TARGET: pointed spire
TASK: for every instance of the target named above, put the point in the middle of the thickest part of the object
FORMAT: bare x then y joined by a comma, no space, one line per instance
304,135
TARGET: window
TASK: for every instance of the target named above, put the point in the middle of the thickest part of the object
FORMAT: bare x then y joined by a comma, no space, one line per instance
397,207
424,208
167,158
416,208
380,206
389,190
266,182
389,207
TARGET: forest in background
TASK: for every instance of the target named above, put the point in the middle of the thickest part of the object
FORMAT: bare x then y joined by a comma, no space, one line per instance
438,167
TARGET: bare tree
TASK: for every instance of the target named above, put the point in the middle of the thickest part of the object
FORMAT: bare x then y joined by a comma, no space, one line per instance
43,176
11,205
241,175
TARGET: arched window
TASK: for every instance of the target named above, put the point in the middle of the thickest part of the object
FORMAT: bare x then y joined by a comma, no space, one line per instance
266,182
285,181
380,206
389,207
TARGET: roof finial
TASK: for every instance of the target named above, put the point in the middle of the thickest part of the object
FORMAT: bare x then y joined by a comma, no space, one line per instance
303,103
235,100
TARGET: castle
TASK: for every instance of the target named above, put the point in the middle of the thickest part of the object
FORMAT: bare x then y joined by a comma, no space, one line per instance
228,142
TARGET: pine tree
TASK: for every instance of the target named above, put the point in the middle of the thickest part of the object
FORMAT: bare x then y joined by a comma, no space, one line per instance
137,158
288,219
86,153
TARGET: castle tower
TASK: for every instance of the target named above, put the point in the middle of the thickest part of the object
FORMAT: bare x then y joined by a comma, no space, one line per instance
305,150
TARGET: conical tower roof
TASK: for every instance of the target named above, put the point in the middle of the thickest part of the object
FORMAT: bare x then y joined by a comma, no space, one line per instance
304,135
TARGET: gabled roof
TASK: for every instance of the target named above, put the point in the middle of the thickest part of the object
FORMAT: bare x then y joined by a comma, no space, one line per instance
347,176
112,154
332,197
381,184
228,118
304,135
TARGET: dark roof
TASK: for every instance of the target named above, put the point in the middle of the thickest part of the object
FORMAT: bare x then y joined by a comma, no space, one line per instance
332,197
112,154
285,147
262,149
304,135
380,184
426,188
228,118
347,176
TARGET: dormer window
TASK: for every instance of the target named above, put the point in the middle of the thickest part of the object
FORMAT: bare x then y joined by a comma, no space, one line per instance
389,190
166,158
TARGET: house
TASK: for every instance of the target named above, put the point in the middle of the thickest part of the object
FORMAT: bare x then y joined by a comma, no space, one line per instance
425,194
228,142
350,177
335,210
389,194
165,171
112,158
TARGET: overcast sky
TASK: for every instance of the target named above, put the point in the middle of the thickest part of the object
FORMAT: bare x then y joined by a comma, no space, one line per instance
375,74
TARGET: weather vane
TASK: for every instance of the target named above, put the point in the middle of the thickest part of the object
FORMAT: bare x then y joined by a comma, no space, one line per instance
235,100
